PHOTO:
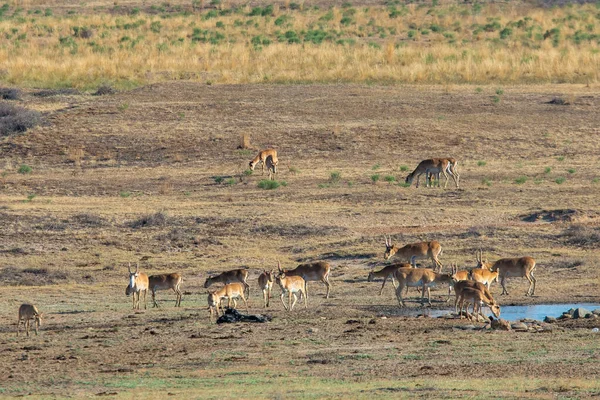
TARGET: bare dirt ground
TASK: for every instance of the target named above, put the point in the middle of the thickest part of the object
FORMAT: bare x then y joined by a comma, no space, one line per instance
161,181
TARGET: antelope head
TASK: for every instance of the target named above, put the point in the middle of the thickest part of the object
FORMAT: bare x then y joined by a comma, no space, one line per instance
133,275
371,276
390,250
495,307
252,164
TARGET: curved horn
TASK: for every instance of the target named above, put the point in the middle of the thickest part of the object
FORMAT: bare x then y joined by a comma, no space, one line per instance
129,267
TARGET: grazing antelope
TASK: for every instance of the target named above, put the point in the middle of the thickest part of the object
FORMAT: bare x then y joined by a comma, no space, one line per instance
432,166
516,267
484,276
261,157
415,251
271,167
164,282
461,285
138,282
415,277
265,283
478,297
28,312
230,291
317,271
387,272
236,275
450,169
290,285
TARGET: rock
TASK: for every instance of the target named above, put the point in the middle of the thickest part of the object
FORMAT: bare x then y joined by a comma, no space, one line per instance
565,316
550,320
520,327
312,330
581,313
570,312
596,311
500,324
529,321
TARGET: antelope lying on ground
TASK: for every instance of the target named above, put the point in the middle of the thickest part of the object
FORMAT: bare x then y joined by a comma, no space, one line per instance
478,297
265,283
317,271
412,252
261,157
516,267
236,275
415,277
291,285
28,312
387,272
138,282
230,291
432,166
164,282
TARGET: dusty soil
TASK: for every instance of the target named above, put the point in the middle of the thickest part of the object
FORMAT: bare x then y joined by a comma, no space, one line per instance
155,176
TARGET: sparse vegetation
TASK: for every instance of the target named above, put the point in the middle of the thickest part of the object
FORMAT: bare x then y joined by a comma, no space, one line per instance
547,170
268,184
375,178
487,182
520,180
335,177
560,180
481,163
571,170
404,168
24,169
16,120
389,178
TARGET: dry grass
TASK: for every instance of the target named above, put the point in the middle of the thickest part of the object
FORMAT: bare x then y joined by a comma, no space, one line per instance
507,43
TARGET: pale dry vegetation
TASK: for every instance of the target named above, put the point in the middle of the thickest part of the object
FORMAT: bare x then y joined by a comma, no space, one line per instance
424,43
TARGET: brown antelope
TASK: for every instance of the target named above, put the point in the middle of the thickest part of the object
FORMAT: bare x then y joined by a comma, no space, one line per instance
265,283
271,167
138,282
290,285
387,272
164,282
28,312
236,275
461,285
459,275
516,267
230,291
431,166
484,276
414,251
261,157
451,169
480,262
317,271
478,297
415,277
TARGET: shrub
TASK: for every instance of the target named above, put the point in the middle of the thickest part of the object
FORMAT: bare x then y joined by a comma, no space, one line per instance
481,163
520,180
156,26
560,180
15,120
547,170
582,235
505,33
104,90
157,219
375,178
486,182
376,167
404,168
24,169
10,94
571,170
268,184
335,177
389,178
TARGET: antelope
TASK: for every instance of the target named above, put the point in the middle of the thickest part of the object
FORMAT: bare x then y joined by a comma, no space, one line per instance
26,313
480,263
432,166
516,267
478,297
164,282
230,291
459,275
261,157
271,167
415,277
317,271
265,283
290,285
387,272
415,251
236,275
484,276
461,285
450,169
138,282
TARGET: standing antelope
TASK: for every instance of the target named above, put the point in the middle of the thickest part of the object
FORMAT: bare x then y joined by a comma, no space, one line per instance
484,276
262,158
478,297
164,282
265,283
230,291
26,313
480,262
461,285
459,275
271,167
415,277
432,166
236,275
516,267
317,271
138,282
450,169
415,251
387,272
290,285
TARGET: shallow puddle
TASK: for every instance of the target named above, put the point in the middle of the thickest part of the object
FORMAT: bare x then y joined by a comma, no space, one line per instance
535,311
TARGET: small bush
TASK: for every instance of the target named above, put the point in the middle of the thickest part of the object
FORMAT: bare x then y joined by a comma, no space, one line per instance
481,163
561,158
218,179
547,170
268,184
104,90
335,177
404,168
157,219
486,182
375,178
10,94
125,194
376,167
24,169
15,119
499,92
389,178
230,181
560,180
571,170
520,180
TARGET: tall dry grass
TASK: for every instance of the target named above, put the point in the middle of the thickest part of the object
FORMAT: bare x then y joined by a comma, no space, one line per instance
401,44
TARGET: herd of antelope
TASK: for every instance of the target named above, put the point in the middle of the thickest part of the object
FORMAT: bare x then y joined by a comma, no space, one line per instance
471,286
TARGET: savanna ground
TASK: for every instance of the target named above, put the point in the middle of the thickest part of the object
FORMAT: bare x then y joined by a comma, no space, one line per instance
154,175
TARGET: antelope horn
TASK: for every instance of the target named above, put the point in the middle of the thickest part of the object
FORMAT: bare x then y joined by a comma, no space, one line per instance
137,267
129,267
279,266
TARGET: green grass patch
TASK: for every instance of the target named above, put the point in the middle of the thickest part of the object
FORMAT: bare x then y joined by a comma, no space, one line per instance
560,180
268,184
521,180
481,163
24,169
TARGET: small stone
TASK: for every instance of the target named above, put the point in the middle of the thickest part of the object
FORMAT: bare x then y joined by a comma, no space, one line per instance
500,324
520,327
565,316
550,320
571,311
467,327
596,311
581,313
312,330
